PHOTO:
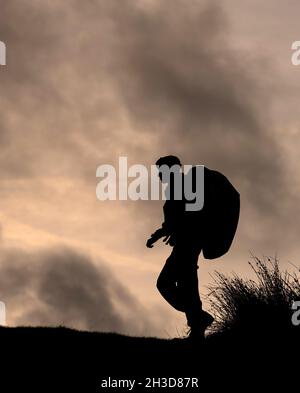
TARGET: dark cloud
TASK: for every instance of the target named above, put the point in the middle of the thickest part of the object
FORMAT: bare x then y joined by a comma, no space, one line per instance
73,70
180,79
63,287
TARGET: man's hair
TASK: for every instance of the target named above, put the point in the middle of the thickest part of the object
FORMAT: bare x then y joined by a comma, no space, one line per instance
168,160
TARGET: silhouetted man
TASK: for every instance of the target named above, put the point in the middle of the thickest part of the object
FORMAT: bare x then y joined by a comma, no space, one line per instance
189,232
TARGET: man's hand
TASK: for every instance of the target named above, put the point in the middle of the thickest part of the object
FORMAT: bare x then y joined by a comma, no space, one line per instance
169,239
150,242
156,236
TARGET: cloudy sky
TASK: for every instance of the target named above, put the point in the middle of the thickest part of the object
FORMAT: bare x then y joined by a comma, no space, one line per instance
88,82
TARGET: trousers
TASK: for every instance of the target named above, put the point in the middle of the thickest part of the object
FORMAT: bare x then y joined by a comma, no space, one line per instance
178,281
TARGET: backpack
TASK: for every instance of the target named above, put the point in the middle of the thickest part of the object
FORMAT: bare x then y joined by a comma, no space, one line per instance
217,222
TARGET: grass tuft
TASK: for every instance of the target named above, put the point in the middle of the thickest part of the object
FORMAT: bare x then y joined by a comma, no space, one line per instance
254,306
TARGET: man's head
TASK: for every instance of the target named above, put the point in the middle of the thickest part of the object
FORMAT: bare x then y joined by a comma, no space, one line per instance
167,162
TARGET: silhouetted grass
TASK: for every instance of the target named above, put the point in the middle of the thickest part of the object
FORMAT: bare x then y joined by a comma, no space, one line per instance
254,307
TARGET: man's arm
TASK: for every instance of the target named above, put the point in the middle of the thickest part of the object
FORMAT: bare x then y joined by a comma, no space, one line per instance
171,211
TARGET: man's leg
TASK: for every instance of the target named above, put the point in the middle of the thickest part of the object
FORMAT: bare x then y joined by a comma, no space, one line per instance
178,284
167,282
188,285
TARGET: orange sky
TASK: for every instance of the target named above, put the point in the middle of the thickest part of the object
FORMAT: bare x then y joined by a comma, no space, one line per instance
87,82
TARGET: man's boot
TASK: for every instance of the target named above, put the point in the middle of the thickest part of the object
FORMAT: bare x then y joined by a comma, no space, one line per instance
197,329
